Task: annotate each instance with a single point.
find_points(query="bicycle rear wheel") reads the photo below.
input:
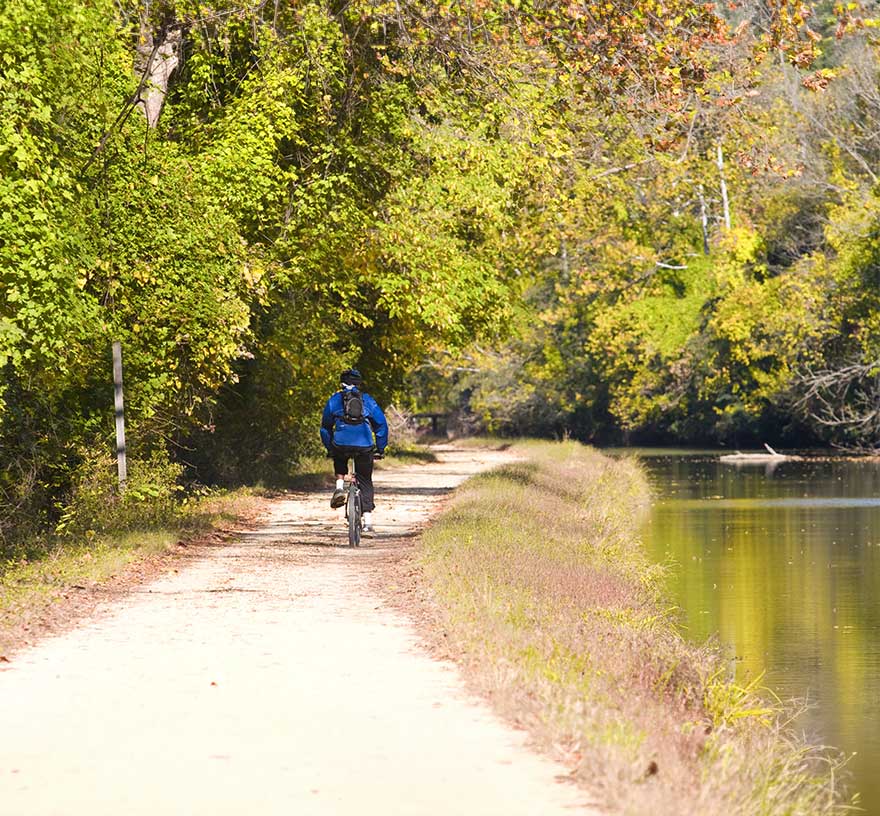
(353, 511)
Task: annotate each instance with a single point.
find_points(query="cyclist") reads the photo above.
(351, 420)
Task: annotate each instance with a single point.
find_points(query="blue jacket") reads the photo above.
(336, 431)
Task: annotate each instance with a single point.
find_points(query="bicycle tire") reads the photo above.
(353, 512)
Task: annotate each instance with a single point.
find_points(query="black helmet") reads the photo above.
(351, 376)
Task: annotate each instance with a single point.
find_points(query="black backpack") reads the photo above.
(352, 407)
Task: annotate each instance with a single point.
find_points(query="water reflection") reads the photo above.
(784, 565)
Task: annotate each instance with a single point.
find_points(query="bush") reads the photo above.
(96, 504)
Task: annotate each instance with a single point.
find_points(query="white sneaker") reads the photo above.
(368, 524)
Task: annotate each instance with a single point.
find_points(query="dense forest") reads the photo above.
(650, 220)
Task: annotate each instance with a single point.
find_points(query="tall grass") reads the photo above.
(542, 582)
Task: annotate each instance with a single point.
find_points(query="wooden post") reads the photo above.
(120, 415)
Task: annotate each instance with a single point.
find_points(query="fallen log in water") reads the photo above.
(758, 458)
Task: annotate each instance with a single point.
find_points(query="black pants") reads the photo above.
(363, 471)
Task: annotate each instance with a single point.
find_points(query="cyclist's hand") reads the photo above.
(378, 455)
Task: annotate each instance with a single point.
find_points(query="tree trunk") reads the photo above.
(724, 200)
(704, 222)
(156, 64)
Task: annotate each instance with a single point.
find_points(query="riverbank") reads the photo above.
(543, 591)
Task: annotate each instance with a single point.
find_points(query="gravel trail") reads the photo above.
(267, 677)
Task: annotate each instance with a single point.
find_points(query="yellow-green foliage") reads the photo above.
(310, 199)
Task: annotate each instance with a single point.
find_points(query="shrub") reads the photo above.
(96, 505)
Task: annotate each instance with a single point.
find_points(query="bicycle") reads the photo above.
(354, 506)
(354, 513)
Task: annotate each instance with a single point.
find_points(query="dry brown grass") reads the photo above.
(540, 575)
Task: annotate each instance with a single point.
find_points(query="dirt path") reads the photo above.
(267, 677)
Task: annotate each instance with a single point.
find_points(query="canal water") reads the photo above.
(783, 565)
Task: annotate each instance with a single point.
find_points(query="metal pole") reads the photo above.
(120, 415)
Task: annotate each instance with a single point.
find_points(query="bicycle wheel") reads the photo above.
(353, 511)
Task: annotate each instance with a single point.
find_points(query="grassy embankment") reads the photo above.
(542, 582)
